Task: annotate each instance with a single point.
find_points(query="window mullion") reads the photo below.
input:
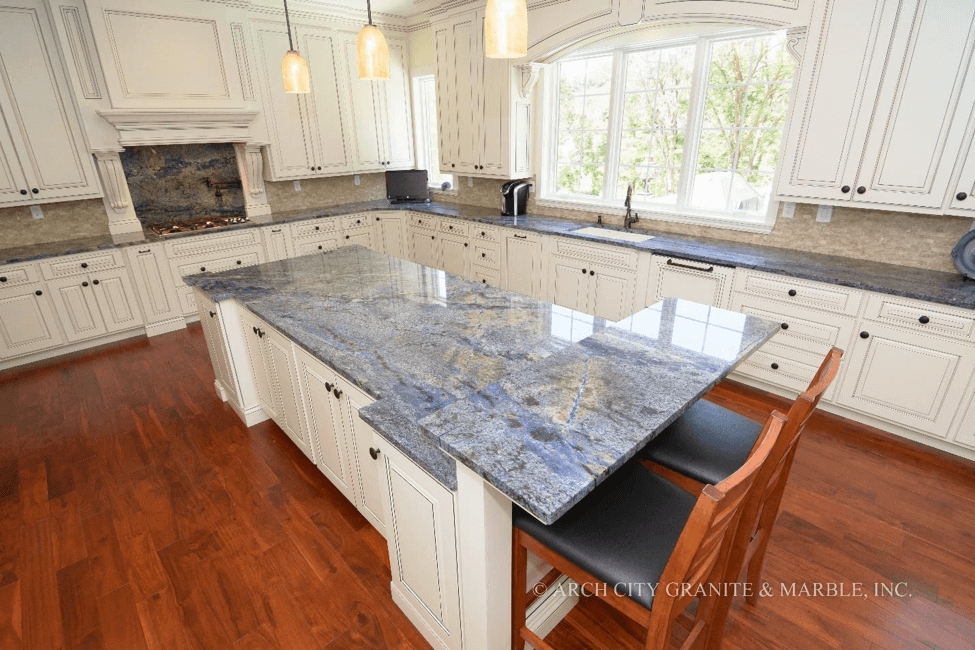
(695, 122)
(615, 125)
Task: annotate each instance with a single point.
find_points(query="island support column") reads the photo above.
(484, 538)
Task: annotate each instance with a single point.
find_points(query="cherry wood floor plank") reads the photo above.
(11, 522)
(41, 610)
(121, 627)
(9, 478)
(104, 552)
(11, 623)
(33, 491)
(161, 619)
(79, 608)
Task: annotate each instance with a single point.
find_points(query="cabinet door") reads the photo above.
(908, 378)
(325, 429)
(27, 322)
(12, 179)
(357, 237)
(116, 300)
(423, 248)
(77, 308)
(611, 293)
(314, 246)
(421, 534)
(676, 278)
(924, 107)
(446, 116)
(963, 197)
(465, 94)
(43, 125)
(360, 435)
(330, 135)
(278, 244)
(391, 231)
(285, 391)
(838, 81)
(397, 116)
(365, 114)
(570, 283)
(289, 127)
(523, 264)
(251, 328)
(154, 281)
(453, 255)
(493, 108)
(213, 332)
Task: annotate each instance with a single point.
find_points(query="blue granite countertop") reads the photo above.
(932, 286)
(542, 401)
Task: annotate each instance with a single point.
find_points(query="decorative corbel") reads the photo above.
(796, 42)
(529, 77)
(250, 164)
(118, 201)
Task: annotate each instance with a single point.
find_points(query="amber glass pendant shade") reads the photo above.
(506, 29)
(294, 69)
(372, 53)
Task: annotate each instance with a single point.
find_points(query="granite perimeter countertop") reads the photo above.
(542, 401)
(932, 286)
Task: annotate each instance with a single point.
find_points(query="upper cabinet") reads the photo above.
(43, 156)
(882, 105)
(484, 121)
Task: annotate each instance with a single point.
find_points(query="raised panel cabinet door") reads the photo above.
(77, 308)
(278, 243)
(365, 113)
(154, 281)
(495, 87)
(330, 134)
(570, 284)
(117, 300)
(454, 257)
(465, 93)
(446, 117)
(694, 281)
(316, 246)
(391, 231)
(12, 179)
(397, 114)
(835, 90)
(611, 293)
(287, 394)
(523, 264)
(423, 248)
(924, 106)
(286, 115)
(37, 107)
(902, 376)
(421, 530)
(360, 435)
(358, 237)
(27, 322)
(251, 327)
(963, 194)
(325, 430)
(213, 333)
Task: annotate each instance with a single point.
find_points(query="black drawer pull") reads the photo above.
(317, 228)
(3, 279)
(255, 329)
(374, 453)
(203, 268)
(39, 292)
(961, 196)
(328, 387)
(924, 320)
(148, 250)
(319, 248)
(84, 284)
(785, 326)
(347, 236)
(337, 393)
(775, 366)
(792, 292)
(861, 189)
(239, 262)
(483, 281)
(592, 273)
(23, 191)
(483, 254)
(845, 189)
(522, 236)
(864, 335)
(465, 244)
(432, 237)
(583, 271)
(94, 281)
(84, 265)
(213, 314)
(710, 269)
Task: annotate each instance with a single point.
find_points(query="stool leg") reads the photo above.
(519, 576)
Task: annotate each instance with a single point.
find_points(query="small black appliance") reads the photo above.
(514, 197)
(407, 186)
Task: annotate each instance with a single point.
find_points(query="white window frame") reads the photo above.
(420, 127)
(605, 204)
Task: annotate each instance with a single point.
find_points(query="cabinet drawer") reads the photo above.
(314, 245)
(217, 265)
(921, 316)
(355, 221)
(14, 276)
(799, 292)
(205, 244)
(487, 255)
(785, 367)
(485, 233)
(490, 277)
(64, 267)
(424, 221)
(453, 227)
(615, 256)
(314, 228)
(804, 329)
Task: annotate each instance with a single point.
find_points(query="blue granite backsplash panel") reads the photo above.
(168, 182)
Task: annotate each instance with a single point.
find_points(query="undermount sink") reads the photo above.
(614, 234)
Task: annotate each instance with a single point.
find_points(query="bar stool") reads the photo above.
(642, 544)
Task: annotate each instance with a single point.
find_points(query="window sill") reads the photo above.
(437, 190)
(762, 225)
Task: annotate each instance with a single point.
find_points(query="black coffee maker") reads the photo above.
(514, 197)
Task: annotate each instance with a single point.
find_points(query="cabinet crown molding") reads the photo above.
(166, 126)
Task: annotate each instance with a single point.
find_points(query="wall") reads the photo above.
(918, 241)
(64, 220)
(321, 192)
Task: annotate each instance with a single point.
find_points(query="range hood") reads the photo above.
(183, 126)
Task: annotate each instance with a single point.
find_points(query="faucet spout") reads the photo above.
(630, 218)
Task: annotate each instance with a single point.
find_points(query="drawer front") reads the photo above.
(314, 228)
(219, 264)
(490, 277)
(14, 276)
(785, 367)
(424, 221)
(921, 316)
(487, 255)
(314, 246)
(804, 328)
(64, 267)
(614, 256)
(205, 244)
(355, 221)
(799, 292)
(485, 233)
(453, 227)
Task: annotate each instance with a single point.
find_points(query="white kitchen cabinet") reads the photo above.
(361, 450)
(77, 308)
(325, 103)
(963, 194)
(286, 393)
(43, 156)
(391, 234)
(397, 115)
(672, 277)
(595, 289)
(966, 431)
(569, 280)
(277, 243)
(251, 328)
(358, 237)
(424, 247)
(454, 258)
(27, 320)
(156, 288)
(522, 263)
(422, 538)
(213, 333)
(117, 300)
(311, 246)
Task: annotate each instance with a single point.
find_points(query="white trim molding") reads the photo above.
(179, 126)
(118, 201)
(250, 164)
(796, 42)
(530, 73)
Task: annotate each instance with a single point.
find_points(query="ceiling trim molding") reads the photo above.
(179, 126)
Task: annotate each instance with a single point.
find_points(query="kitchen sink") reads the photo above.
(618, 235)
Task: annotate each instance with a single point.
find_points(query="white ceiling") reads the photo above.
(402, 8)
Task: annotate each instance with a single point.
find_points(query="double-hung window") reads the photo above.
(691, 128)
(427, 135)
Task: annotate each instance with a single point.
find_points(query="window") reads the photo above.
(427, 136)
(693, 126)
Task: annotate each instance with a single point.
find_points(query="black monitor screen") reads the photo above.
(410, 184)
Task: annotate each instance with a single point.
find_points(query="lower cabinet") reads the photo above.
(312, 246)
(672, 277)
(391, 234)
(27, 321)
(454, 258)
(77, 307)
(358, 237)
(421, 535)
(250, 327)
(522, 263)
(216, 346)
(154, 281)
(592, 288)
(277, 243)
(966, 432)
(117, 300)
(424, 247)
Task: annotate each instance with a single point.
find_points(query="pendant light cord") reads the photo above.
(369, 10)
(291, 43)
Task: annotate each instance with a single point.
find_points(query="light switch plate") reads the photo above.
(355, 177)
(789, 210)
(297, 186)
(35, 211)
(824, 214)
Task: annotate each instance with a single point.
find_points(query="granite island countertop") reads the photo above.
(542, 401)
(920, 284)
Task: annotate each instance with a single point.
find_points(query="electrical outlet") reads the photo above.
(356, 178)
(297, 186)
(824, 214)
(35, 211)
(470, 181)
(789, 210)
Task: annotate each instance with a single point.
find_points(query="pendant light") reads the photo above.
(294, 69)
(506, 29)
(371, 51)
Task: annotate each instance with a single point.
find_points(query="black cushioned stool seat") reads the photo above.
(707, 443)
(622, 533)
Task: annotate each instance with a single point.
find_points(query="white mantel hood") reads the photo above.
(179, 126)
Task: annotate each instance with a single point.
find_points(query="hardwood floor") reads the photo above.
(136, 512)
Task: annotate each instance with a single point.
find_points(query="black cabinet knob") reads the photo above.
(23, 191)
(3, 279)
(358, 221)
(374, 453)
(94, 281)
(347, 236)
(203, 268)
(785, 326)
(961, 196)
(419, 220)
(239, 262)
(316, 227)
(845, 189)
(84, 284)
(213, 314)
(483, 234)
(84, 265)
(861, 189)
(312, 168)
(465, 245)
(34, 190)
(792, 292)
(583, 271)
(592, 273)
(39, 293)
(255, 331)
(378, 219)
(319, 247)
(319, 168)
(483, 281)
(328, 387)
(483, 254)
(450, 227)
(924, 320)
(432, 237)
(864, 335)
(775, 366)
(260, 333)
(452, 165)
(337, 393)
